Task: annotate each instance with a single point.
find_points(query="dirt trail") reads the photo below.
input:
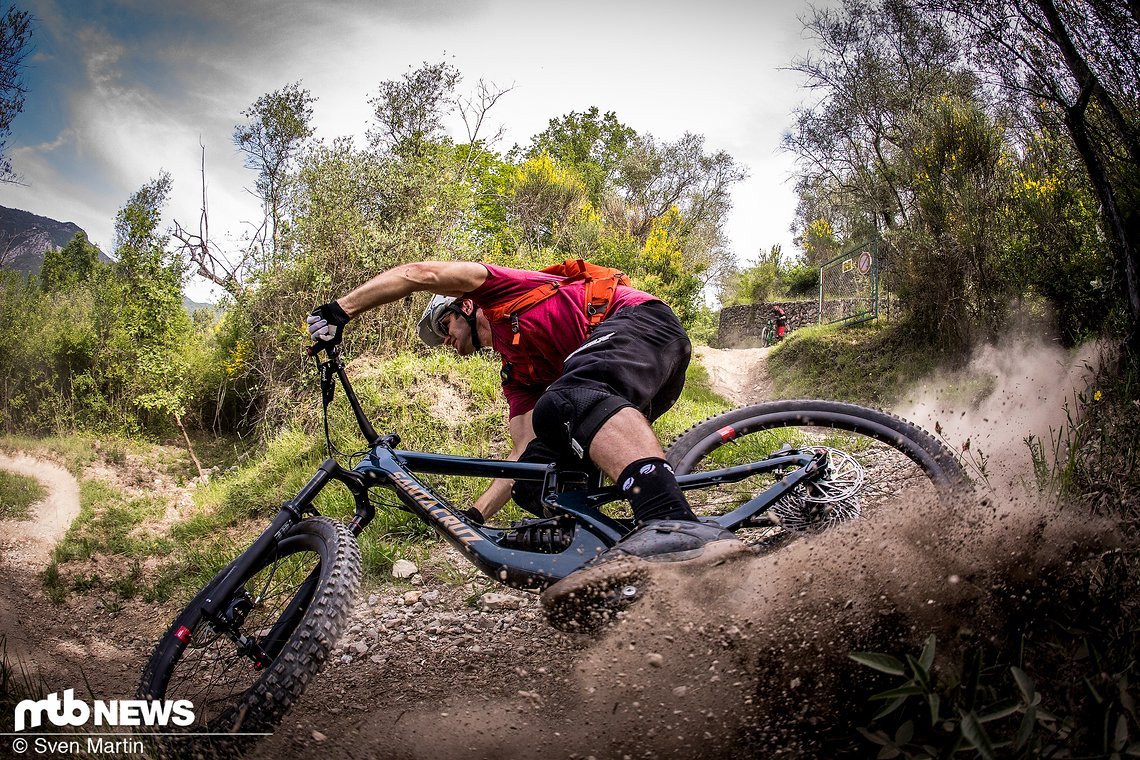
(30, 541)
(738, 374)
(70, 644)
(25, 548)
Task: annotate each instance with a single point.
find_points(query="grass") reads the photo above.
(874, 364)
(109, 522)
(74, 452)
(17, 683)
(110, 526)
(17, 495)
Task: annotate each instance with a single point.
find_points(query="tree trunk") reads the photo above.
(1118, 231)
(189, 446)
(1084, 75)
(1076, 121)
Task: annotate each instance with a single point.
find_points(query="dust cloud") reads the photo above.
(1030, 386)
(750, 658)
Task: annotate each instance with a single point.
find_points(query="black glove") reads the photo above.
(326, 323)
(473, 515)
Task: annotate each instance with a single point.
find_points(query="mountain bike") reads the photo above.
(770, 335)
(249, 643)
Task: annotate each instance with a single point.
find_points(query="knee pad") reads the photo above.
(566, 419)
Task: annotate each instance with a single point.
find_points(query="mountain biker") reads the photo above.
(573, 394)
(780, 318)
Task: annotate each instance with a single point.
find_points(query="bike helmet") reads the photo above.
(430, 330)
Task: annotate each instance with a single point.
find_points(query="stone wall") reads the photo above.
(740, 326)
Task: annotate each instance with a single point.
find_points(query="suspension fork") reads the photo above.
(290, 514)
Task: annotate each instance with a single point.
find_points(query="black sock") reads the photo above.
(652, 490)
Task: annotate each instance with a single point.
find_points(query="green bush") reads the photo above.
(800, 280)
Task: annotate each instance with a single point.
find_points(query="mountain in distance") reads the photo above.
(25, 238)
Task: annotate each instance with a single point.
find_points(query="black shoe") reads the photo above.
(589, 597)
(666, 541)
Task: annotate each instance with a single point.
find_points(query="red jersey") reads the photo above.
(550, 331)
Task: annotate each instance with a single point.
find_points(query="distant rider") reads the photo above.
(780, 319)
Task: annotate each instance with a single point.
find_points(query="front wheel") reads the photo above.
(243, 670)
(873, 458)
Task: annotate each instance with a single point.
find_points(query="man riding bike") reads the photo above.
(780, 318)
(582, 381)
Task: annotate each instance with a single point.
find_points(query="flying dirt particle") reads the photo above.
(655, 659)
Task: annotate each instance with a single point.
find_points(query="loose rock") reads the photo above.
(493, 602)
(403, 568)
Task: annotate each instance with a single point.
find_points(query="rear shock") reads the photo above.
(548, 536)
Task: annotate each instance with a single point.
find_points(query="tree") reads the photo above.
(72, 264)
(591, 143)
(1081, 61)
(409, 111)
(15, 41)
(210, 262)
(545, 198)
(656, 178)
(152, 326)
(1057, 237)
(772, 277)
(277, 129)
(876, 66)
(900, 145)
(958, 187)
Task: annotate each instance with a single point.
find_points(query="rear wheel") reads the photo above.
(243, 672)
(873, 457)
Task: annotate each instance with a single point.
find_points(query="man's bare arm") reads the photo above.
(448, 278)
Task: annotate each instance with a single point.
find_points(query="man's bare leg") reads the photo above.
(624, 438)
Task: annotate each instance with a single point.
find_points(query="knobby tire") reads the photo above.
(895, 456)
(230, 694)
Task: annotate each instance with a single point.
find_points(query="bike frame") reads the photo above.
(386, 466)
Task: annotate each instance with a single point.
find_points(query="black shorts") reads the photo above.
(637, 358)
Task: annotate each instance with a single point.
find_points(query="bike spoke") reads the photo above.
(863, 473)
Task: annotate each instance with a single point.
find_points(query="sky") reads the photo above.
(120, 90)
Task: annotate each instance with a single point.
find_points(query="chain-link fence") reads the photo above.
(849, 286)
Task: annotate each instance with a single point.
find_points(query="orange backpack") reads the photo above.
(601, 282)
